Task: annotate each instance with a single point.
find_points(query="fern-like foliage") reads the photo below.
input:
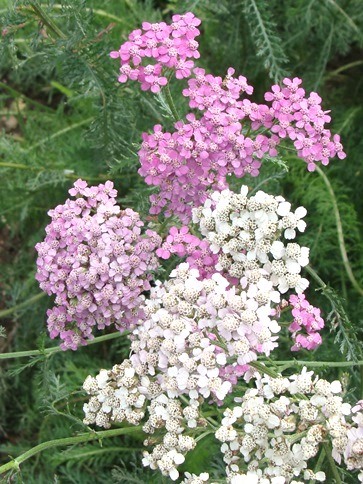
(268, 44)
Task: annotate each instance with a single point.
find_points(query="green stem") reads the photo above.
(18, 94)
(296, 437)
(56, 349)
(171, 104)
(319, 464)
(332, 463)
(340, 232)
(204, 434)
(70, 176)
(20, 166)
(344, 68)
(59, 133)
(6, 312)
(15, 463)
(96, 11)
(263, 369)
(47, 20)
(82, 455)
(315, 276)
(317, 364)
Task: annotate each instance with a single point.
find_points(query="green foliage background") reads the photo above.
(64, 116)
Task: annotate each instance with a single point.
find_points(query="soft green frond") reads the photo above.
(268, 44)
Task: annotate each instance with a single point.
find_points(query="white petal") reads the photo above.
(289, 234)
(283, 208)
(174, 474)
(277, 249)
(179, 459)
(293, 267)
(302, 285)
(244, 190)
(301, 226)
(300, 212)
(336, 386)
(320, 476)
(221, 359)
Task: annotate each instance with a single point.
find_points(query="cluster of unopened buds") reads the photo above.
(197, 336)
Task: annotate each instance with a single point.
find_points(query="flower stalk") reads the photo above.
(88, 437)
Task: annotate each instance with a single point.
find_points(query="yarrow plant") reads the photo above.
(204, 334)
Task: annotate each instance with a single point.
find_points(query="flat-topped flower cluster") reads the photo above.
(97, 263)
(167, 46)
(226, 132)
(274, 429)
(248, 233)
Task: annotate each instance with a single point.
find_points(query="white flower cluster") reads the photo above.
(115, 396)
(195, 328)
(194, 479)
(246, 234)
(278, 426)
(168, 414)
(353, 452)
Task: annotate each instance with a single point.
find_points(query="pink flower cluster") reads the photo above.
(197, 252)
(302, 119)
(198, 156)
(97, 263)
(171, 46)
(307, 319)
(203, 151)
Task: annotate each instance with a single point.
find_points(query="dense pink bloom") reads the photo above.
(202, 152)
(302, 119)
(197, 252)
(226, 139)
(96, 261)
(306, 324)
(167, 46)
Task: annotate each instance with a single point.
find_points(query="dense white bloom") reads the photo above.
(247, 234)
(168, 415)
(115, 396)
(193, 326)
(194, 479)
(256, 431)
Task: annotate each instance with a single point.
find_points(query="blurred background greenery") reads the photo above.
(64, 116)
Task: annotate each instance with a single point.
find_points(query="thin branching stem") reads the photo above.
(61, 132)
(332, 463)
(264, 369)
(318, 364)
(340, 232)
(88, 437)
(18, 94)
(169, 100)
(47, 20)
(56, 349)
(70, 176)
(341, 69)
(4, 313)
(95, 11)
